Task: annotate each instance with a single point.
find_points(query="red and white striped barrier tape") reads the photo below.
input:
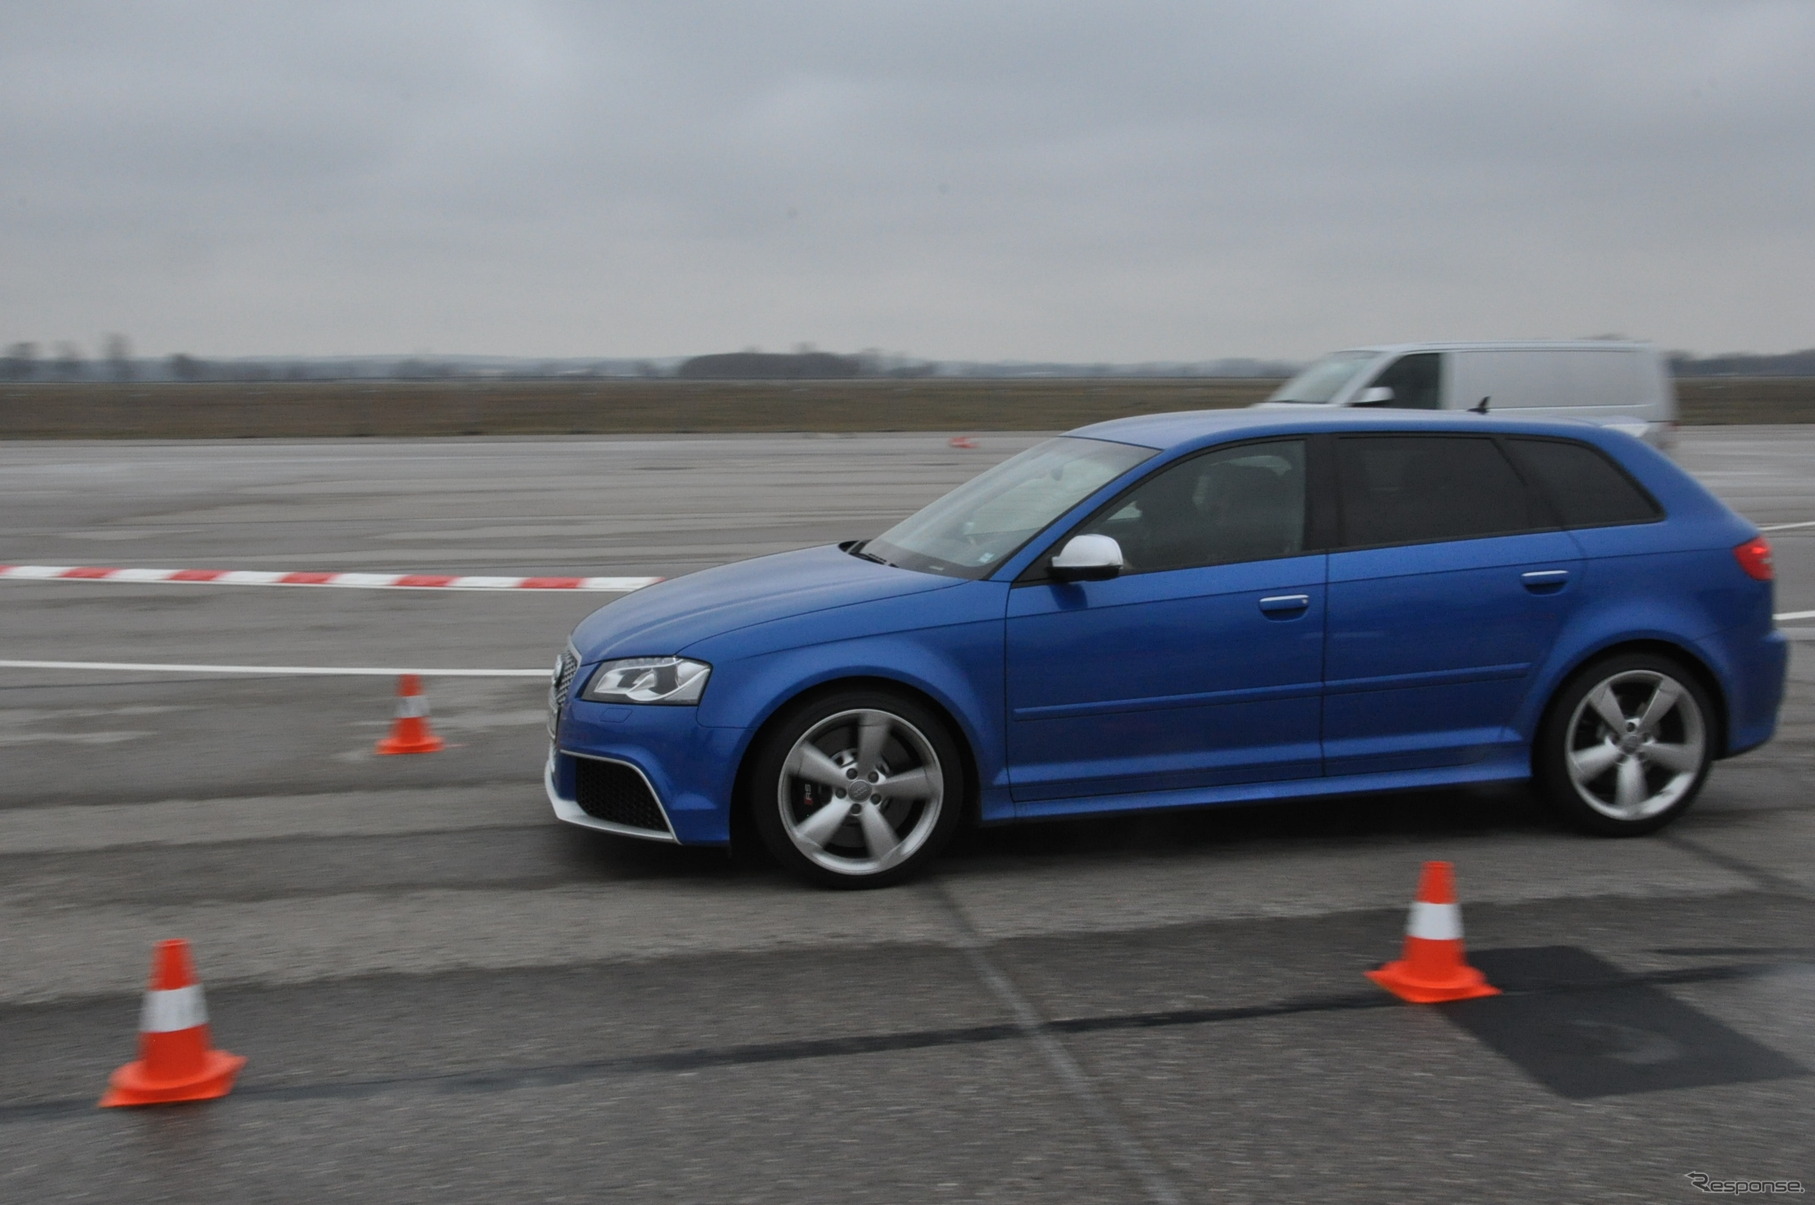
(363, 581)
(368, 581)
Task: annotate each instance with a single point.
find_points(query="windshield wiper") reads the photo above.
(856, 549)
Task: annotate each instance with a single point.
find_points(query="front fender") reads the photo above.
(958, 667)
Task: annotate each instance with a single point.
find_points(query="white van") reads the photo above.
(1617, 384)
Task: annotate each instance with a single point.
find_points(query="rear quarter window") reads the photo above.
(1584, 485)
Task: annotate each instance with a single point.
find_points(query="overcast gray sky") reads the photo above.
(971, 179)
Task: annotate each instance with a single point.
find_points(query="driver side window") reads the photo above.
(1245, 503)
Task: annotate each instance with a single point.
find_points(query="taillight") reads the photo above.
(1754, 556)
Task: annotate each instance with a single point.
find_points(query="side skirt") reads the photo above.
(1496, 770)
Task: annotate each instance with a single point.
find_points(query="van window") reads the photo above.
(1324, 379)
(1410, 489)
(1415, 381)
(1586, 488)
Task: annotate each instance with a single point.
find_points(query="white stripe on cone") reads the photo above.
(1435, 922)
(412, 706)
(171, 1009)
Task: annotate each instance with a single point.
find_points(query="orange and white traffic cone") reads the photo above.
(1433, 967)
(176, 1061)
(411, 733)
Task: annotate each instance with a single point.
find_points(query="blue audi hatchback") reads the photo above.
(1190, 609)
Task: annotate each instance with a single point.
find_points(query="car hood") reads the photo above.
(665, 618)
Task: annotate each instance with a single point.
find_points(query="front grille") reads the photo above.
(558, 686)
(613, 791)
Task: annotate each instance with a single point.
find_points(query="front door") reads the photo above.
(1199, 666)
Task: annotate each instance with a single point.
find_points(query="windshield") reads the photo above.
(1324, 379)
(986, 520)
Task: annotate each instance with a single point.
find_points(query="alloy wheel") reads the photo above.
(1636, 745)
(860, 792)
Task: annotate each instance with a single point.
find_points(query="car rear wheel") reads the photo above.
(857, 789)
(1627, 745)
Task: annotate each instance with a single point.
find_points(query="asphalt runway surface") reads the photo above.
(446, 996)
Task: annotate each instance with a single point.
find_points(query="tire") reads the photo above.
(1626, 745)
(820, 797)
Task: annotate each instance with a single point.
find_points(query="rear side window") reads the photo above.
(1416, 489)
(1586, 488)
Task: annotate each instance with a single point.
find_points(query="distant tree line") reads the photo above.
(1790, 364)
(65, 361)
(771, 366)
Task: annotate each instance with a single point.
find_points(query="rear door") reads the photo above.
(1449, 584)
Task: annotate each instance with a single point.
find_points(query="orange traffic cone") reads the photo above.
(960, 441)
(175, 1059)
(1433, 967)
(411, 734)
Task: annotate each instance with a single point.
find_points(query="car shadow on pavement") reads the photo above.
(587, 854)
(1448, 812)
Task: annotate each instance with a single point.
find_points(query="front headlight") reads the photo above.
(674, 680)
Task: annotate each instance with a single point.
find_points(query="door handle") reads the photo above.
(1545, 581)
(1285, 604)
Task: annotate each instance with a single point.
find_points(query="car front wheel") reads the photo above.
(857, 789)
(1627, 745)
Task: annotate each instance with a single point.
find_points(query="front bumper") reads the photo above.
(689, 770)
(568, 807)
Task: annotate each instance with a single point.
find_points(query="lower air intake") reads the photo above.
(615, 792)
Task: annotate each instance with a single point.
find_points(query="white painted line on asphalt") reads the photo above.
(342, 671)
(1787, 526)
(1114, 1132)
(350, 671)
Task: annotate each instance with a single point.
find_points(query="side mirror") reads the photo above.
(1087, 559)
(1375, 395)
